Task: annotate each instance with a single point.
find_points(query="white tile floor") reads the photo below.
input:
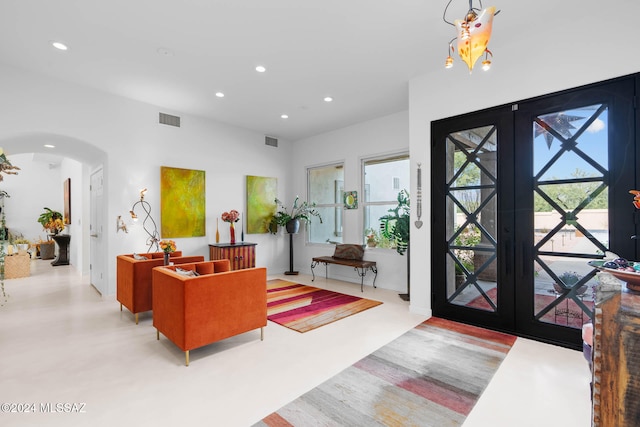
(61, 342)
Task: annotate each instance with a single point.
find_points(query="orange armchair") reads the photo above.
(133, 278)
(196, 311)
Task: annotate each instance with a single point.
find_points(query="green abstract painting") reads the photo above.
(261, 206)
(182, 202)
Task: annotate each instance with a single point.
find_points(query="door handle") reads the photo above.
(93, 235)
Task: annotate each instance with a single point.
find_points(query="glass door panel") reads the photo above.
(471, 201)
(570, 199)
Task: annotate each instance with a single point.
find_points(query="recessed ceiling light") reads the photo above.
(260, 69)
(328, 99)
(164, 51)
(220, 94)
(49, 146)
(285, 116)
(60, 46)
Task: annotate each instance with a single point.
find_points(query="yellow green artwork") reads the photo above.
(261, 194)
(182, 202)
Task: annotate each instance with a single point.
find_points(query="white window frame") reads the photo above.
(389, 157)
(337, 205)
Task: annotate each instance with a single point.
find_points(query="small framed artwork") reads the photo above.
(351, 200)
(67, 201)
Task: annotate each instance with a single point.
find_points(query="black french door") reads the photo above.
(523, 196)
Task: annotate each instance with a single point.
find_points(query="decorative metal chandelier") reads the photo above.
(473, 34)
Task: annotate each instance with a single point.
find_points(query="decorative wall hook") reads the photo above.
(419, 223)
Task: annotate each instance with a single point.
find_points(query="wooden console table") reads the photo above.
(240, 255)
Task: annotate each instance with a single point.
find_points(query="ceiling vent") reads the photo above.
(269, 140)
(168, 119)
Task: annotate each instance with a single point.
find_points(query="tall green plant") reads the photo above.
(395, 225)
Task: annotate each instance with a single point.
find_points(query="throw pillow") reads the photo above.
(349, 251)
(221, 267)
(139, 257)
(204, 268)
(188, 273)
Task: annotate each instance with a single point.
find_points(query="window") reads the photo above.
(383, 179)
(326, 188)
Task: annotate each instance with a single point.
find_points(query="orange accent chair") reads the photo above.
(194, 311)
(133, 278)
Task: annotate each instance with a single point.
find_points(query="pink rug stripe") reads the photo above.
(303, 308)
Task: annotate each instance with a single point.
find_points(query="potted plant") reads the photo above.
(396, 227)
(52, 221)
(46, 249)
(569, 279)
(372, 237)
(22, 244)
(291, 219)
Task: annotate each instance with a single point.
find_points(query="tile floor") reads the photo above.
(61, 342)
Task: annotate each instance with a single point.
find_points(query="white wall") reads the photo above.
(134, 146)
(570, 51)
(350, 145)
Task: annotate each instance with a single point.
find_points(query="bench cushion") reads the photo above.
(349, 251)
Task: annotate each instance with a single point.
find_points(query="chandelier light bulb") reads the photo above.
(465, 34)
(486, 65)
(449, 62)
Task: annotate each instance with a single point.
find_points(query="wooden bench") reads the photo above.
(361, 267)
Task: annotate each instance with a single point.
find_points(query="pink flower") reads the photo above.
(231, 216)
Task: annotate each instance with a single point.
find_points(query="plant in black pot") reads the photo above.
(291, 221)
(302, 212)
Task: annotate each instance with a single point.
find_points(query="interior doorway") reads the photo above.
(97, 240)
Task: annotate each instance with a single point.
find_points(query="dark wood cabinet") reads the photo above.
(616, 361)
(240, 255)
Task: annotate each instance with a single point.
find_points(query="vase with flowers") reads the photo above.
(51, 221)
(231, 217)
(167, 246)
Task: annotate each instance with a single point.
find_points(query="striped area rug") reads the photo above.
(431, 376)
(303, 308)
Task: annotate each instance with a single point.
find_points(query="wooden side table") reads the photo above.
(616, 358)
(240, 255)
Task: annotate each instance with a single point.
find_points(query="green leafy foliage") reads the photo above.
(395, 226)
(302, 212)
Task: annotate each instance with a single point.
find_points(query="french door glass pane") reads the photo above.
(570, 198)
(471, 222)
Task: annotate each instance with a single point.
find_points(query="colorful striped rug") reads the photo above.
(303, 308)
(431, 376)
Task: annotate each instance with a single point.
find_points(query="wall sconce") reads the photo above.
(154, 237)
(120, 225)
(473, 34)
